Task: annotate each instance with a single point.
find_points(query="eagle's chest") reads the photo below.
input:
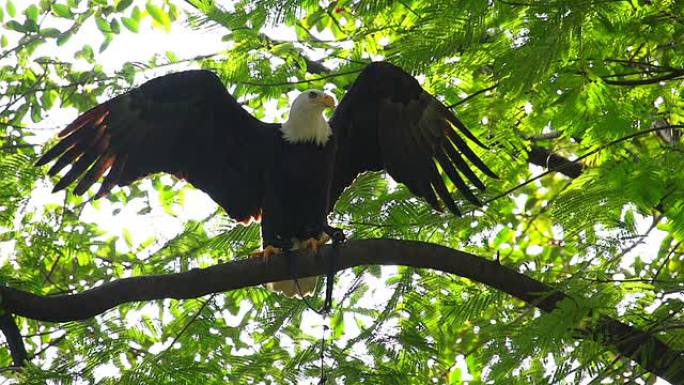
(308, 163)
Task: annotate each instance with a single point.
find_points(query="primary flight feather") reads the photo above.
(288, 175)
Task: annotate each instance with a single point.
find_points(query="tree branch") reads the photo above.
(586, 155)
(548, 159)
(673, 75)
(644, 348)
(17, 349)
(474, 94)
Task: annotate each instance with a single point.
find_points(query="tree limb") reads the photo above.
(17, 349)
(645, 349)
(548, 159)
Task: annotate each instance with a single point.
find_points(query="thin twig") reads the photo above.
(674, 75)
(474, 94)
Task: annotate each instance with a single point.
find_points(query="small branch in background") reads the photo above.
(474, 94)
(584, 156)
(52, 343)
(546, 136)
(548, 159)
(315, 66)
(673, 75)
(639, 64)
(668, 135)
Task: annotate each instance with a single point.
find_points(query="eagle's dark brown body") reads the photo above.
(296, 197)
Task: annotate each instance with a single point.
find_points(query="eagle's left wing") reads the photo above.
(387, 121)
(186, 124)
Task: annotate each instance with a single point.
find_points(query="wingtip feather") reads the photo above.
(97, 113)
(61, 185)
(42, 161)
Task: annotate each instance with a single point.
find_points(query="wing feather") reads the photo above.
(387, 121)
(455, 158)
(103, 163)
(184, 123)
(113, 176)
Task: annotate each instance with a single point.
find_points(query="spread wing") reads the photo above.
(185, 124)
(387, 121)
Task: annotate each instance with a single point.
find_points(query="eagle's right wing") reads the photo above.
(186, 124)
(388, 121)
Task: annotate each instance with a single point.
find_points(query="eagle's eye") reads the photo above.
(312, 94)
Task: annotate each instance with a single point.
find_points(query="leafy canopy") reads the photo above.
(593, 78)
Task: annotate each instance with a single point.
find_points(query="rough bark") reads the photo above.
(645, 349)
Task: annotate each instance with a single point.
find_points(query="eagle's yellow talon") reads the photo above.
(310, 244)
(267, 251)
(272, 250)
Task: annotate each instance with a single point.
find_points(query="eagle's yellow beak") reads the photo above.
(328, 101)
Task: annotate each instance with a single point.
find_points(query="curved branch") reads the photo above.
(642, 347)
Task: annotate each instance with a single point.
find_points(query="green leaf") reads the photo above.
(36, 112)
(131, 24)
(337, 323)
(62, 10)
(108, 40)
(159, 15)
(86, 53)
(45, 5)
(48, 98)
(11, 10)
(114, 26)
(63, 38)
(30, 25)
(16, 26)
(32, 13)
(136, 14)
(102, 24)
(121, 5)
(128, 237)
(171, 56)
(50, 32)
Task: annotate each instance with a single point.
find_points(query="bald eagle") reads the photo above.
(287, 175)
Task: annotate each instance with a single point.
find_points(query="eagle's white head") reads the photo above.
(306, 122)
